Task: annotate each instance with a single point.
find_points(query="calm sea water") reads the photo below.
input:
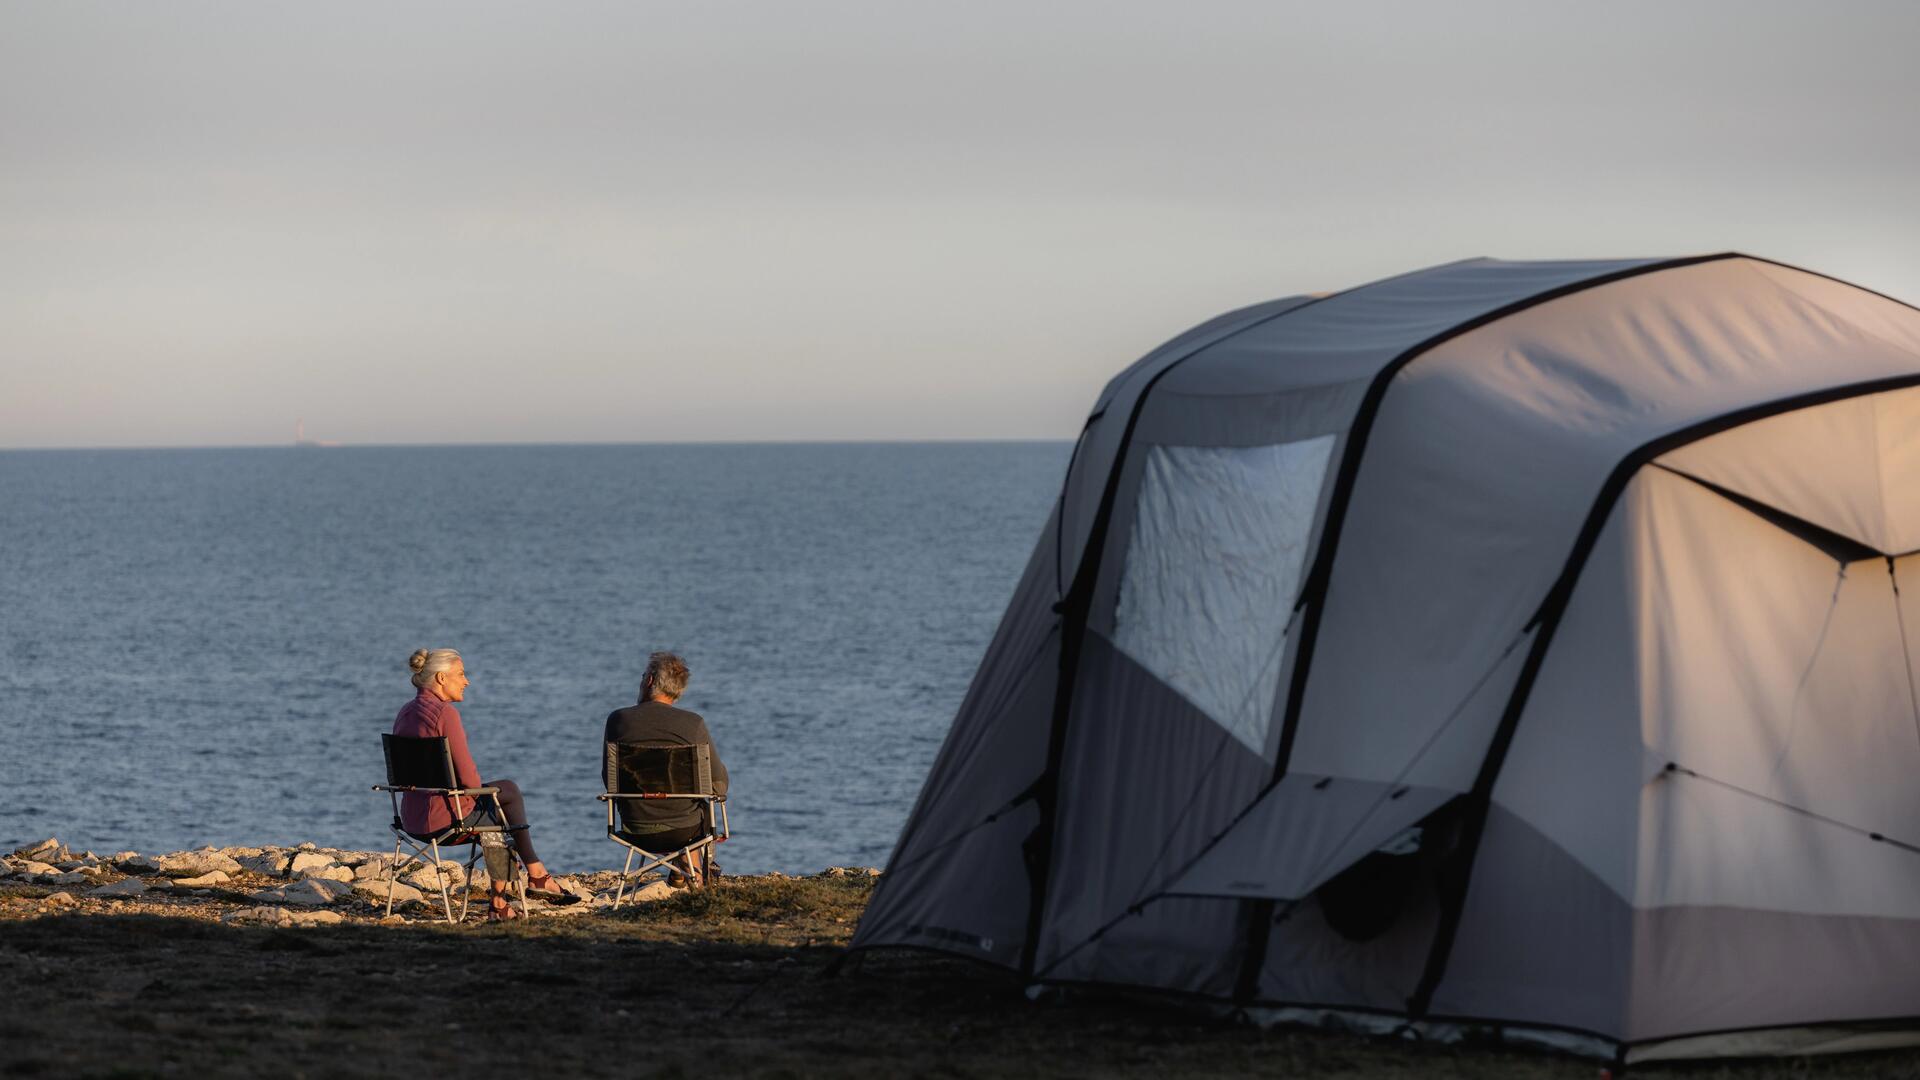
(203, 646)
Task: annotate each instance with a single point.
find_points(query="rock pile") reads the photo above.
(298, 886)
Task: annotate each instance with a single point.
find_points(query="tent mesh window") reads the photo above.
(1212, 568)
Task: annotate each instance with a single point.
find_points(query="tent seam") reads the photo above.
(1554, 607)
(1320, 571)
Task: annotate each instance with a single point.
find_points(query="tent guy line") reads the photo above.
(1674, 768)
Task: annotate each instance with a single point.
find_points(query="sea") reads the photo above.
(203, 646)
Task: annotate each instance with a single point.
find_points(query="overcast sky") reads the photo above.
(476, 222)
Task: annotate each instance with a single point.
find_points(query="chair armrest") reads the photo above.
(450, 791)
(607, 796)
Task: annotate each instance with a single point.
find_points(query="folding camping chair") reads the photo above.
(425, 765)
(662, 771)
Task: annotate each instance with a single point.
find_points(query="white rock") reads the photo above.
(38, 868)
(271, 863)
(330, 873)
(377, 889)
(647, 894)
(263, 916)
(316, 918)
(313, 892)
(73, 878)
(59, 899)
(427, 879)
(135, 863)
(195, 863)
(309, 846)
(373, 868)
(355, 858)
(45, 851)
(204, 881)
(307, 860)
(132, 886)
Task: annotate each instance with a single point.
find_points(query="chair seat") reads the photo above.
(650, 841)
(465, 834)
(425, 766)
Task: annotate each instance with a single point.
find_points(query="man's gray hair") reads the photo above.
(666, 675)
(426, 663)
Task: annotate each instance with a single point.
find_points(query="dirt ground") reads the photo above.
(729, 982)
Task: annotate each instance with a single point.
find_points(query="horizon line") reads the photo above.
(332, 446)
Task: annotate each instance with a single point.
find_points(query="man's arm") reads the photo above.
(607, 735)
(719, 768)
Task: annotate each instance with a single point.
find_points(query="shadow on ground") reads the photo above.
(729, 984)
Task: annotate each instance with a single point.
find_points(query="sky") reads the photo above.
(481, 222)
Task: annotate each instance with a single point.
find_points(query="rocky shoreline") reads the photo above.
(301, 886)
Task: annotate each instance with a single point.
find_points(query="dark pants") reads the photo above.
(673, 840)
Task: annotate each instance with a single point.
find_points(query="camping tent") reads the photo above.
(1524, 647)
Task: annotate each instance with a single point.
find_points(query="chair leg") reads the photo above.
(466, 887)
(439, 875)
(393, 871)
(624, 871)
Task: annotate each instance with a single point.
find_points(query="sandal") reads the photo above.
(545, 888)
(499, 909)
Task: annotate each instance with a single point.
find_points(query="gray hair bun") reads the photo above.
(418, 661)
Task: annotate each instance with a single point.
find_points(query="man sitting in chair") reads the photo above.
(665, 824)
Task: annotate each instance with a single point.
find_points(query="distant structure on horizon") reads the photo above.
(300, 435)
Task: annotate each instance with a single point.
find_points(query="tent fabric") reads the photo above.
(1302, 832)
(1098, 448)
(962, 844)
(1212, 569)
(1785, 462)
(1578, 682)
(1129, 817)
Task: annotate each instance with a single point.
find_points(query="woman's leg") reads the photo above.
(515, 807)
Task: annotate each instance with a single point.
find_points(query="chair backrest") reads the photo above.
(648, 768)
(418, 762)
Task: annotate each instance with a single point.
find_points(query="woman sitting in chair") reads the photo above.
(441, 677)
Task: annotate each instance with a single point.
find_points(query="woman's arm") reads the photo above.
(464, 769)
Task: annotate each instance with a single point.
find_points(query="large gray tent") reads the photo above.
(1517, 646)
